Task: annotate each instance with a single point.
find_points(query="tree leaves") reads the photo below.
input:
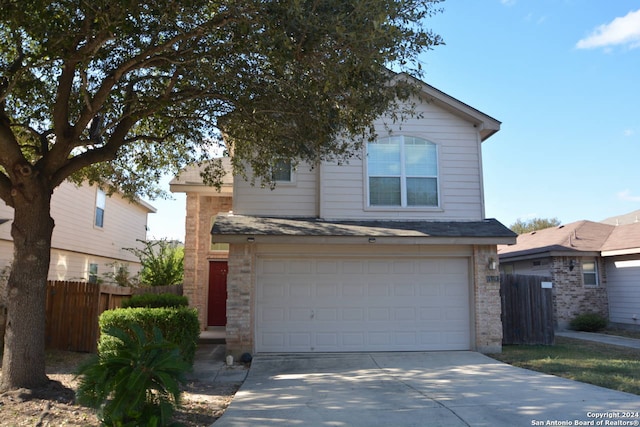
(108, 91)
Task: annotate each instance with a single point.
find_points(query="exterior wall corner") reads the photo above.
(488, 307)
(240, 299)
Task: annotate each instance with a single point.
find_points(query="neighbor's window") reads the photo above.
(93, 273)
(282, 171)
(402, 171)
(590, 273)
(101, 201)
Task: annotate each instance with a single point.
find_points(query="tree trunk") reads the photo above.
(23, 362)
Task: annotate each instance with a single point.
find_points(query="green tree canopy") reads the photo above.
(120, 92)
(522, 227)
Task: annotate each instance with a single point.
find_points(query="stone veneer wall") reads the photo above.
(488, 308)
(571, 297)
(197, 248)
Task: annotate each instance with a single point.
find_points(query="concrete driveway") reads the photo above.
(415, 389)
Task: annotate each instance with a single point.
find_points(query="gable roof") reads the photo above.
(189, 179)
(586, 237)
(485, 124)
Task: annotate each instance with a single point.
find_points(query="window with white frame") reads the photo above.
(93, 273)
(402, 171)
(590, 273)
(282, 171)
(101, 202)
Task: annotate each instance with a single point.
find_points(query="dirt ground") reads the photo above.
(54, 405)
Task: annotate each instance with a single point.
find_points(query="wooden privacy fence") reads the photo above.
(527, 309)
(73, 309)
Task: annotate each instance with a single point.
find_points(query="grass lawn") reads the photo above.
(613, 367)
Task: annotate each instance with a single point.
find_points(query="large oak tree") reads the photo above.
(119, 92)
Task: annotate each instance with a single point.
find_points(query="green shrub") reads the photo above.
(588, 322)
(156, 301)
(178, 325)
(162, 262)
(137, 385)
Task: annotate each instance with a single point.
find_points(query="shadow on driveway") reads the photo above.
(413, 389)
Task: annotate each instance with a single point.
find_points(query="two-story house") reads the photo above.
(90, 234)
(391, 251)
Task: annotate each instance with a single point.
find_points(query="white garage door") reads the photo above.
(623, 275)
(316, 305)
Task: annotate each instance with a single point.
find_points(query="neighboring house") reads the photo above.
(391, 251)
(205, 261)
(91, 230)
(594, 267)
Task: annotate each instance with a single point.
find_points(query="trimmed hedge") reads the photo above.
(588, 322)
(177, 325)
(156, 301)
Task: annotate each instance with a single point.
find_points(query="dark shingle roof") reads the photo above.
(239, 225)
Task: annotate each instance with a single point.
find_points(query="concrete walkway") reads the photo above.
(414, 389)
(210, 365)
(602, 338)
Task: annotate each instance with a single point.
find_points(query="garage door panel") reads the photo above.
(362, 305)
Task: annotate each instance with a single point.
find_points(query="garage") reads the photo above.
(326, 304)
(623, 291)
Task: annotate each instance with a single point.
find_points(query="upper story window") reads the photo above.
(402, 171)
(590, 273)
(282, 171)
(101, 202)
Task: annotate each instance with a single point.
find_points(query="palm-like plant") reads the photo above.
(136, 383)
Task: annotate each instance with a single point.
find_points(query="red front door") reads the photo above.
(217, 312)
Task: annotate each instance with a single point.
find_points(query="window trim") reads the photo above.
(292, 179)
(596, 273)
(403, 178)
(100, 196)
(92, 276)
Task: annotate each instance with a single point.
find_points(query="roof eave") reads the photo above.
(384, 240)
(487, 125)
(521, 256)
(617, 252)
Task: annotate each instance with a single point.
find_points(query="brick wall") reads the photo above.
(240, 316)
(240, 279)
(487, 300)
(570, 296)
(197, 249)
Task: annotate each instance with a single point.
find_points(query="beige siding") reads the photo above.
(342, 193)
(295, 199)
(76, 241)
(344, 187)
(67, 265)
(73, 210)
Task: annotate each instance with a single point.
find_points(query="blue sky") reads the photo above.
(563, 77)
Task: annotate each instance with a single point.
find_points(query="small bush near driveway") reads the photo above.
(604, 365)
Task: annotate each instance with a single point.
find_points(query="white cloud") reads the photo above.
(629, 132)
(508, 2)
(627, 196)
(621, 31)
